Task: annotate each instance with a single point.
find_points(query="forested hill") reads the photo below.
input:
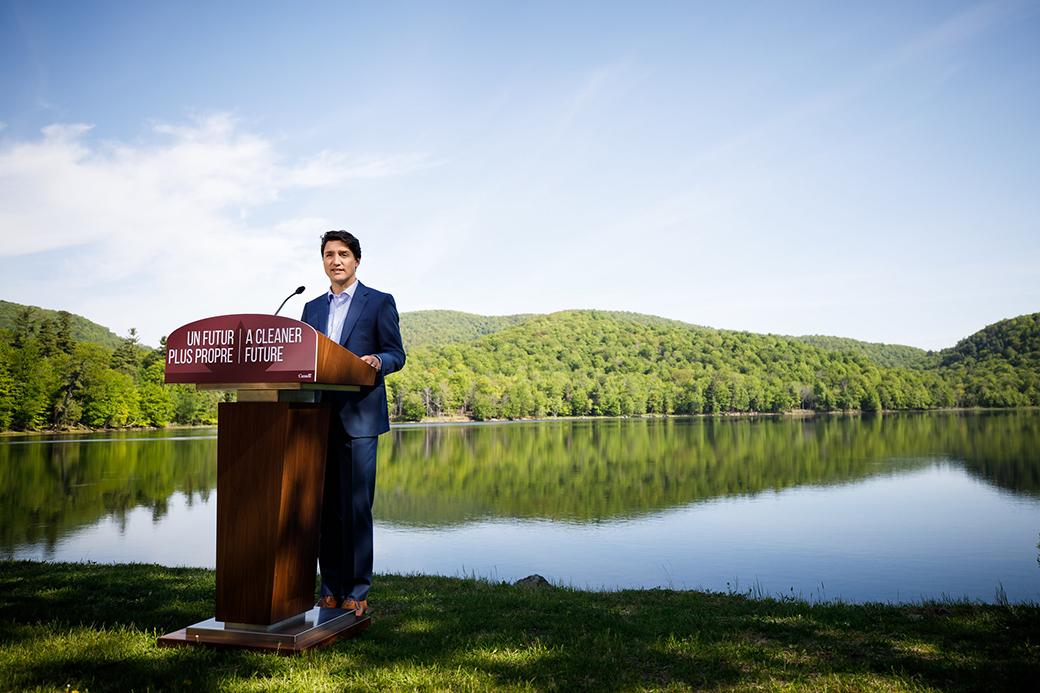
(572, 363)
(438, 327)
(50, 378)
(596, 363)
(83, 330)
(432, 328)
(1016, 340)
(998, 366)
(892, 355)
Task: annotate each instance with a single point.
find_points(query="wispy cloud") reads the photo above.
(171, 215)
(62, 189)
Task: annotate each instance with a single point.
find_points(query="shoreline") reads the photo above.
(86, 430)
(458, 420)
(753, 593)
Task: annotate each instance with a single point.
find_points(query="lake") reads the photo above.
(890, 508)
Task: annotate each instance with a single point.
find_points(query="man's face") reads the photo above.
(340, 265)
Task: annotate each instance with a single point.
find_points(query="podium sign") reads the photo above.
(242, 349)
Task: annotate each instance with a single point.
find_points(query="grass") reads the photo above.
(89, 627)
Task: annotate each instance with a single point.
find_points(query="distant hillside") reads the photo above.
(641, 319)
(586, 362)
(891, 355)
(998, 366)
(432, 328)
(571, 363)
(423, 328)
(83, 330)
(1015, 340)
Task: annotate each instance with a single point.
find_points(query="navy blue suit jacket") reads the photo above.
(371, 327)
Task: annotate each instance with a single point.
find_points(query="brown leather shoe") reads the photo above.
(359, 607)
(328, 602)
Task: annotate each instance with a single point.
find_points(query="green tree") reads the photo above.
(31, 375)
(191, 406)
(156, 406)
(24, 329)
(7, 385)
(126, 357)
(65, 341)
(47, 338)
(412, 407)
(871, 400)
(110, 400)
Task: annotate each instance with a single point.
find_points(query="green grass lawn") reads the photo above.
(87, 627)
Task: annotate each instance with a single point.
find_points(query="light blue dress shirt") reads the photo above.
(338, 307)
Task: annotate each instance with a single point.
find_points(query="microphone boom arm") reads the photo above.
(299, 290)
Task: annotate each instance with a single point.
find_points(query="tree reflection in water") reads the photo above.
(603, 469)
(875, 508)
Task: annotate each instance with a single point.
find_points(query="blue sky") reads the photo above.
(859, 169)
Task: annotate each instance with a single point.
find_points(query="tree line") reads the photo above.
(591, 363)
(50, 380)
(569, 364)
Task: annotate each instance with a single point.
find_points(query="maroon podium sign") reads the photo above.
(242, 349)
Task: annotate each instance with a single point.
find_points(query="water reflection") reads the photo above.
(575, 471)
(50, 486)
(880, 507)
(597, 470)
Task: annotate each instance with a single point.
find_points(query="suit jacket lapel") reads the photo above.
(320, 319)
(357, 304)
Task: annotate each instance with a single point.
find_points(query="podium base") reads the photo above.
(309, 631)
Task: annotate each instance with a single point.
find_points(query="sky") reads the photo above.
(858, 169)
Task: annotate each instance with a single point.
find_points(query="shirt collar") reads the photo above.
(347, 293)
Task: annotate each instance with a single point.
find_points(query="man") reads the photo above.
(365, 322)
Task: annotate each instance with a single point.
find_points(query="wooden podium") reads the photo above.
(270, 472)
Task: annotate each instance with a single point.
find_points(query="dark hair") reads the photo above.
(344, 237)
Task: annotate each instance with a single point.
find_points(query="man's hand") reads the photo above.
(372, 361)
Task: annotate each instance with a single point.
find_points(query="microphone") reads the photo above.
(299, 290)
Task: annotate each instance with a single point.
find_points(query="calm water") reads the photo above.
(891, 508)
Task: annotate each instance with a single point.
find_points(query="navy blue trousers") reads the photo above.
(345, 543)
